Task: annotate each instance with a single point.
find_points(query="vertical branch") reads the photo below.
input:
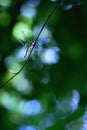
(49, 16)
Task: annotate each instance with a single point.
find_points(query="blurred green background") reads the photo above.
(51, 92)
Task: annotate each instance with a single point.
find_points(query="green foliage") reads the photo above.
(61, 124)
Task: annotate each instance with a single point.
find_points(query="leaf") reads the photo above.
(61, 124)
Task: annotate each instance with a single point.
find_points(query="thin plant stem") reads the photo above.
(35, 42)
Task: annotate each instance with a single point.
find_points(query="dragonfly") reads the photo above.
(30, 45)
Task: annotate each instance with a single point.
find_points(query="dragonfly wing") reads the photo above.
(43, 41)
(23, 42)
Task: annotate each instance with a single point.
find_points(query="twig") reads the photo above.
(35, 42)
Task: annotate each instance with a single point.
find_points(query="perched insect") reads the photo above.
(29, 45)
